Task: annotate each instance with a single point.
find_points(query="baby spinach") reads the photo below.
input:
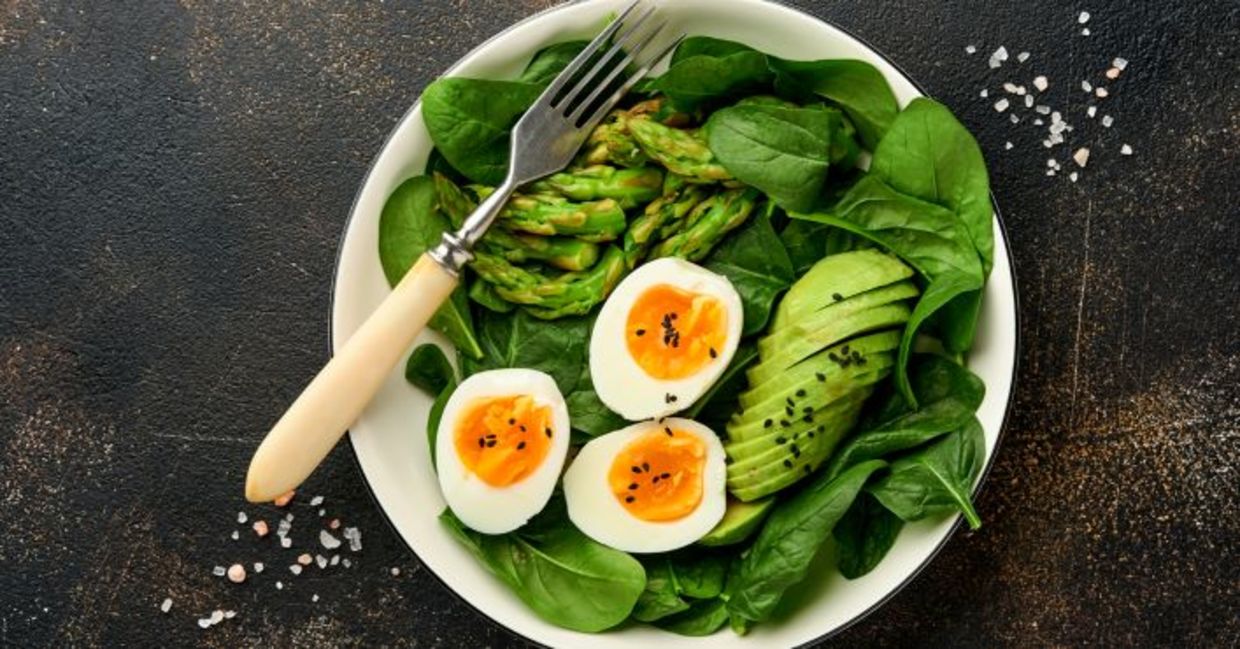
(705, 69)
(703, 617)
(409, 225)
(483, 293)
(673, 578)
(856, 86)
(563, 575)
(550, 61)
(755, 261)
(865, 535)
(792, 535)
(436, 415)
(936, 479)
(783, 151)
(557, 347)
(587, 411)
(948, 395)
(428, 368)
(469, 120)
(661, 597)
(806, 243)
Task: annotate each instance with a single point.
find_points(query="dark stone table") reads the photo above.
(173, 181)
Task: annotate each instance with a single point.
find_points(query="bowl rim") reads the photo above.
(1007, 409)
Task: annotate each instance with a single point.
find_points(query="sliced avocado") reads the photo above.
(822, 363)
(739, 520)
(883, 317)
(836, 278)
(752, 424)
(778, 339)
(772, 449)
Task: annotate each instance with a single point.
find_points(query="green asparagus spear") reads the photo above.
(545, 297)
(561, 252)
(482, 292)
(660, 219)
(682, 152)
(611, 142)
(707, 224)
(629, 187)
(548, 214)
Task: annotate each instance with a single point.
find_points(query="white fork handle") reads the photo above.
(336, 397)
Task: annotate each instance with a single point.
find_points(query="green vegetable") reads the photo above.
(740, 520)
(702, 72)
(865, 535)
(721, 396)
(805, 242)
(856, 86)
(483, 293)
(550, 61)
(628, 187)
(785, 152)
(519, 340)
(611, 142)
(661, 596)
(707, 224)
(683, 152)
(586, 410)
(470, 119)
(948, 395)
(792, 535)
(662, 217)
(936, 479)
(548, 214)
(550, 298)
(564, 576)
(435, 416)
(703, 617)
(755, 261)
(671, 578)
(428, 369)
(409, 225)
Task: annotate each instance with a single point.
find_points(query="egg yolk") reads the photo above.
(658, 476)
(502, 440)
(673, 333)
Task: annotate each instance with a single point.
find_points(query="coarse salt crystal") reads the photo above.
(236, 573)
(166, 605)
(228, 615)
(320, 561)
(1087, 86)
(241, 517)
(279, 585)
(346, 563)
(286, 542)
(1107, 121)
(1056, 117)
(1072, 176)
(285, 499)
(315, 597)
(1001, 105)
(1112, 73)
(1050, 172)
(354, 536)
(1037, 122)
(1040, 83)
(1081, 156)
(217, 616)
(1100, 92)
(1051, 163)
(1014, 119)
(1043, 109)
(1125, 150)
(1010, 87)
(1056, 138)
(1091, 111)
(322, 512)
(1007, 146)
(1000, 55)
(204, 622)
(1119, 63)
(1058, 127)
(316, 501)
(1022, 57)
(984, 93)
(219, 571)
(1028, 101)
(1083, 18)
(970, 49)
(305, 559)
(258, 567)
(235, 535)
(260, 528)
(328, 541)
(294, 568)
(335, 559)
(1047, 143)
(1085, 32)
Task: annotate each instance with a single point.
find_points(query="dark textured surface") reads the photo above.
(173, 180)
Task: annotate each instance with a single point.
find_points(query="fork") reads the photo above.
(543, 141)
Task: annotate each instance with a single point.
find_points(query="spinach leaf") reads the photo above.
(587, 411)
(928, 154)
(865, 535)
(700, 574)
(856, 86)
(806, 243)
(947, 289)
(707, 46)
(428, 369)
(435, 416)
(564, 576)
(483, 293)
(550, 61)
(703, 617)
(710, 74)
(948, 395)
(788, 541)
(936, 479)
(469, 120)
(672, 577)
(409, 225)
(783, 151)
(661, 597)
(755, 261)
(557, 347)
(437, 164)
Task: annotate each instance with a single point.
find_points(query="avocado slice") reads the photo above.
(884, 317)
(836, 278)
(773, 448)
(739, 520)
(822, 367)
(752, 424)
(779, 339)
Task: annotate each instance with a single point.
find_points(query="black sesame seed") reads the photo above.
(784, 423)
(820, 376)
(822, 428)
(674, 316)
(811, 434)
(809, 419)
(788, 463)
(806, 467)
(523, 428)
(713, 353)
(629, 499)
(645, 466)
(800, 393)
(767, 424)
(632, 486)
(520, 446)
(547, 431)
(781, 440)
(795, 449)
(637, 469)
(833, 357)
(491, 444)
(640, 332)
(790, 411)
(511, 421)
(727, 460)
(807, 410)
(790, 401)
(844, 349)
(655, 481)
(668, 431)
(673, 397)
(861, 361)
(665, 475)
(481, 442)
(837, 297)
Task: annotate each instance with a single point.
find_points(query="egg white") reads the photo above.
(621, 384)
(480, 506)
(594, 509)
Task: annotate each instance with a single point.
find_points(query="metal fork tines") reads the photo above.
(549, 134)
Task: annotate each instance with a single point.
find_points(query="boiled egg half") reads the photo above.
(663, 338)
(651, 487)
(500, 446)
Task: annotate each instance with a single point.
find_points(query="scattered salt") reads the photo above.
(228, 615)
(217, 616)
(984, 93)
(322, 512)
(1001, 105)
(1022, 57)
(1083, 18)
(1043, 109)
(1050, 172)
(1107, 121)
(335, 559)
(294, 568)
(236, 573)
(320, 561)
(1072, 176)
(241, 518)
(346, 563)
(1040, 83)
(286, 542)
(1007, 146)
(1028, 101)
(258, 567)
(204, 622)
(315, 597)
(1087, 86)
(354, 536)
(328, 541)
(1085, 32)
(235, 535)
(260, 528)
(1010, 87)
(970, 49)
(1125, 150)
(219, 571)
(166, 606)
(1014, 119)
(316, 501)
(1112, 73)
(1091, 111)
(1037, 121)
(279, 585)
(1119, 63)
(1051, 163)
(305, 559)
(1100, 92)
(1081, 156)
(1000, 55)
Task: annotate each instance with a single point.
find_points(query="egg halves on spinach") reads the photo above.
(500, 447)
(651, 487)
(663, 338)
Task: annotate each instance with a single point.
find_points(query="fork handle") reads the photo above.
(336, 397)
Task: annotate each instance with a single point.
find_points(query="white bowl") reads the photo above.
(390, 440)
